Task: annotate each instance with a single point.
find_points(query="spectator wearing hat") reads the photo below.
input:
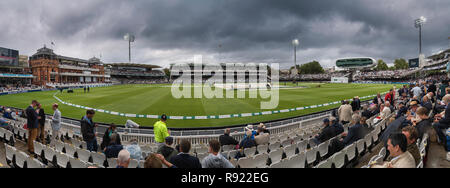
(160, 130)
(226, 139)
(337, 127)
(326, 133)
(167, 150)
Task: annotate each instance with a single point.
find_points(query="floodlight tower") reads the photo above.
(295, 43)
(418, 24)
(130, 38)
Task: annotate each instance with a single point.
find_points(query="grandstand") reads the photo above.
(127, 73)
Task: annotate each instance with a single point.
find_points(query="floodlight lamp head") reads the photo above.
(295, 42)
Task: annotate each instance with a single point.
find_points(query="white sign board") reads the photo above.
(343, 80)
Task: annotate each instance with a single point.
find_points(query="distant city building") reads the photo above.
(48, 67)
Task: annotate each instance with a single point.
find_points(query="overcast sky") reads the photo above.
(170, 31)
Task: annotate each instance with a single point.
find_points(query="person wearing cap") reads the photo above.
(160, 131)
(326, 133)
(337, 127)
(167, 150)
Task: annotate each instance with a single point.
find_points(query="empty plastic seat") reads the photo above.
(250, 152)
(201, 156)
(339, 159)
(98, 158)
(49, 154)
(286, 143)
(112, 162)
(325, 164)
(262, 149)
(360, 146)
(59, 146)
(246, 162)
(350, 151)
(34, 163)
(274, 146)
(276, 155)
(368, 140)
(296, 161)
(133, 163)
(2, 133)
(289, 151)
(311, 155)
(83, 145)
(228, 148)
(76, 143)
(76, 163)
(277, 165)
(232, 154)
(83, 154)
(10, 152)
(201, 150)
(62, 159)
(323, 148)
(302, 145)
(21, 158)
(70, 149)
(261, 160)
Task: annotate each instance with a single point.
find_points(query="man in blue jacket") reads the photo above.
(32, 125)
(88, 130)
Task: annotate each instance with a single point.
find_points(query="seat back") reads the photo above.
(276, 156)
(339, 159)
(98, 158)
(76, 163)
(296, 161)
(83, 155)
(62, 159)
(289, 151)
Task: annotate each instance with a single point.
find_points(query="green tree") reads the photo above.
(310, 68)
(400, 64)
(381, 66)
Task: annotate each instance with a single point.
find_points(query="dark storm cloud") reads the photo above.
(247, 31)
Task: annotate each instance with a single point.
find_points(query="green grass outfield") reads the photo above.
(157, 99)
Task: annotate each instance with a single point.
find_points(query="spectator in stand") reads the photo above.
(183, 159)
(56, 124)
(423, 122)
(402, 110)
(123, 159)
(442, 88)
(355, 132)
(41, 120)
(32, 125)
(390, 96)
(432, 87)
(337, 127)
(262, 138)
(88, 130)
(157, 161)
(134, 149)
(367, 128)
(443, 122)
(385, 110)
(411, 137)
(264, 128)
(403, 91)
(226, 139)
(366, 112)
(167, 150)
(215, 159)
(417, 91)
(356, 104)
(401, 158)
(378, 100)
(345, 112)
(247, 142)
(107, 136)
(426, 103)
(326, 133)
(161, 131)
(112, 151)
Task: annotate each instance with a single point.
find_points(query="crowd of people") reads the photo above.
(388, 74)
